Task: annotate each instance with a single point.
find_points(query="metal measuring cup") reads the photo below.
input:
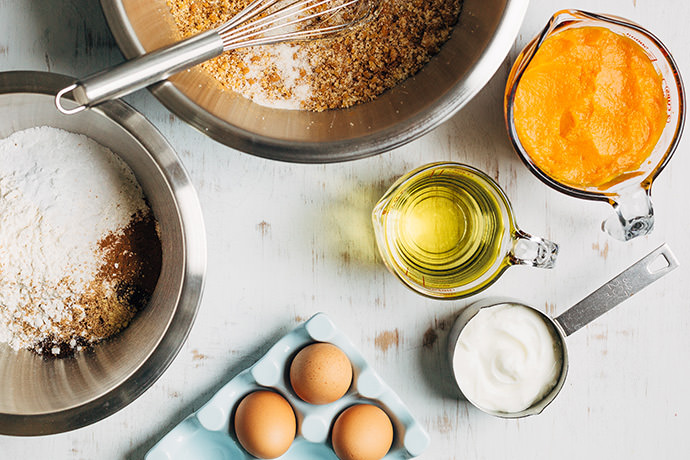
(638, 276)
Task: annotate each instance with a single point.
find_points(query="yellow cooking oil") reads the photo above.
(442, 229)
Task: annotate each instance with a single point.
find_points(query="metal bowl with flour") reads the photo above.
(43, 396)
(480, 42)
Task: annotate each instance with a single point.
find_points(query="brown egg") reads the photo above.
(265, 424)
(362, 432)
(320, 373)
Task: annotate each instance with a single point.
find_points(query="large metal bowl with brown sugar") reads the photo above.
(41, 396)
(480, 42)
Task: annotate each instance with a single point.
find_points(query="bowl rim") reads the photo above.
(191, 289)
(395, 136)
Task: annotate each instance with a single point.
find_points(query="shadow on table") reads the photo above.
(348, 233)
(73, 35)
(138, 452)
(433, 356)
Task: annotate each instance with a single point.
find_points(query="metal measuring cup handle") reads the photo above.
(629, 282)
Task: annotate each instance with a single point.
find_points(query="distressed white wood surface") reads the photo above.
(286, 241)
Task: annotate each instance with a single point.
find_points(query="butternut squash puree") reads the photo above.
(590, 107)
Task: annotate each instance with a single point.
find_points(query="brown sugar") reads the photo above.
(338, 72)
(359, 66)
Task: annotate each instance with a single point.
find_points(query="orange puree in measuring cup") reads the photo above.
(590, 107)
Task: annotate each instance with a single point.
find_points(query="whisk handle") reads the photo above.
(140, 72)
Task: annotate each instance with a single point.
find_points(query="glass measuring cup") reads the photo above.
(630, 193)
(447, 230)
(638, 276)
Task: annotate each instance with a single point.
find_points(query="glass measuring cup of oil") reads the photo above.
(629, 192)
(447, 230)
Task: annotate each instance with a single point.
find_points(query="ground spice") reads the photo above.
(326, 74)
(133, 260)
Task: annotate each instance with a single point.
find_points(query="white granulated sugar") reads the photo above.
(60, 193)
(289, 62)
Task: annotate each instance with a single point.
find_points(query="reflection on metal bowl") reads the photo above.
(480, 42)
(43, 396)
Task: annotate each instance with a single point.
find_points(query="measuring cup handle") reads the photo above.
(532, 250)
(640, 275)
(634, 215)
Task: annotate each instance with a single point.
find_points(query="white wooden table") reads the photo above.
(286, 241)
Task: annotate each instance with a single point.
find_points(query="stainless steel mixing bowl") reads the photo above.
(43, 396)
(479, 44)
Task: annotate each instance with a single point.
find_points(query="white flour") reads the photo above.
(60, 193)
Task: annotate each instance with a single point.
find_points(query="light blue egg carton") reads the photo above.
(208, 434)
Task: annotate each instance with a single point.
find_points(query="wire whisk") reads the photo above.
(262, 22)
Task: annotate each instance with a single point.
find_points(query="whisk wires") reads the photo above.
(264, 22)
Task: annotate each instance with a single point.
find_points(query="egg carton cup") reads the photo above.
(208, 433)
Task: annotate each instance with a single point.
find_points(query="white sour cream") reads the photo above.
(507, 358)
